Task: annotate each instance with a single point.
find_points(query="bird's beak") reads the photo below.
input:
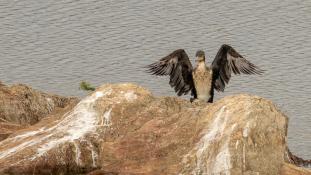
(199, 59)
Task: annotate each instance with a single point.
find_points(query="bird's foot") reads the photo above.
(192, 100)
(195, 100)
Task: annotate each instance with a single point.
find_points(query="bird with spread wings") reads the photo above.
(202, 80)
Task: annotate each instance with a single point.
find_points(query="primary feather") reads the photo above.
(178, 66)
(227, 61)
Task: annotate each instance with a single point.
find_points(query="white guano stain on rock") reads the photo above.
(246, 129)
(237, 144)
(94, 154)
(130, 96)
(19, 147)
(205, 162)
(78, 152)
(21, 136)
(81, 120)
(244, 157)
(50, 104)
(222, 162)
(213, 133)
(106, 121)
(22, 146)
(28, 134)
(94, 157)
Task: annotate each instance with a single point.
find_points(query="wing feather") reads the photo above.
(227, 61)
(178, 66)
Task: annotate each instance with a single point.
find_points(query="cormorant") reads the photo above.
(202, 80)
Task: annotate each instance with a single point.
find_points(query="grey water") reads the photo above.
(53, 45)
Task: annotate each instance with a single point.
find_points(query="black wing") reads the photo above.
(227, 61)
(178, 66)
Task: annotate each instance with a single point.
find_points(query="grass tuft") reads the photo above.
(86, 86)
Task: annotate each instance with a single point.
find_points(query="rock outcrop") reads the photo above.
(20, 104)
(123, 129)
(6, 129)
(290, 169)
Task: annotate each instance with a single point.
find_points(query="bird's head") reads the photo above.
(200, 56)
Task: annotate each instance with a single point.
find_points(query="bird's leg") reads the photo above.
(210, 100)
(195, 100)
(192, 99)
